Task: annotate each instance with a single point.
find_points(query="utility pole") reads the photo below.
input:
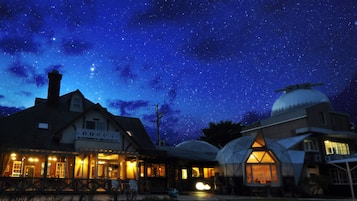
(158, 117)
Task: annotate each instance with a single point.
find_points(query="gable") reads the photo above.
(97, 130)
(50, 127)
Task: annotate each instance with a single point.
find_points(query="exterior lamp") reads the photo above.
(201, 186)
(13, 156)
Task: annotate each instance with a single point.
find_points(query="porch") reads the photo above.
(31, 185)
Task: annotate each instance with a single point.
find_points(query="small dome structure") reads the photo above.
(238, 150)
(197, 150)
(235, 156)
(197, 146)
(298, 96)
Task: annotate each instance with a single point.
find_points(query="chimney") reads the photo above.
(54, 85)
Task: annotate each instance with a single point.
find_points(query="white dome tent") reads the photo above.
(233, 157)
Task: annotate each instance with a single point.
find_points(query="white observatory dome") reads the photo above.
(298, 96)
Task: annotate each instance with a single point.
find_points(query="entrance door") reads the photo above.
(29, 171)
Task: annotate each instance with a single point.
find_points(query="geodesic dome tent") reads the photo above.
(235, 157)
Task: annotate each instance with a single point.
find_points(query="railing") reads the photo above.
(25, 185)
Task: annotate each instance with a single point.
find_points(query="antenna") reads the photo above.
(158, 117)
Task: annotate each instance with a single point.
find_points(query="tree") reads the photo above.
(219, 134)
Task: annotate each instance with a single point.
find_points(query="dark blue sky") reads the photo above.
(202, 61)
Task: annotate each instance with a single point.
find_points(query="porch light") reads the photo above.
(52, 158)
(13, 156)
(33, 159)
(201, 186)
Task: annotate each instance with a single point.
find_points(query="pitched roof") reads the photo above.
(21, 130)
(137, 131)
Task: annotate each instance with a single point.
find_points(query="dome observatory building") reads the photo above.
(303, 141)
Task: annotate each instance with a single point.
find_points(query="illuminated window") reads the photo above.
(60, 167)
(16, 168)
(259, 141)
(261, 168)
(156, 170)
(43, 168)
(184, 173)
(336, 148)
(107, 166)
(131, 169)
(196, 172)
(261, 165)
(208, 172)
(142, 170)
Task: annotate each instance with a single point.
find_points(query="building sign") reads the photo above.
(112, 136)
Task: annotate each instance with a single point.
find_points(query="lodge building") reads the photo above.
(68, 139)
(70, 144)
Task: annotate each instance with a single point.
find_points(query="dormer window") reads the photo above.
(76, 104)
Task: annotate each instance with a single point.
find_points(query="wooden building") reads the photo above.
(68, 143)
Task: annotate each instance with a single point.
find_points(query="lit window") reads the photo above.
(16, 168)
(196, 172)
(184, 173)
(259, 141)
(60, 167)
(336, 148)
(43, 168)
(261, 166)
(156, 170)
(261, 173)
(208, 172)
(260, 157)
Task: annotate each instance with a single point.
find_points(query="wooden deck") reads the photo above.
(26, 185)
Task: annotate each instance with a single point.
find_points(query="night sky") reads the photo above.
(201, 61)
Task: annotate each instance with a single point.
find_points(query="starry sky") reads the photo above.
(200, 61)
